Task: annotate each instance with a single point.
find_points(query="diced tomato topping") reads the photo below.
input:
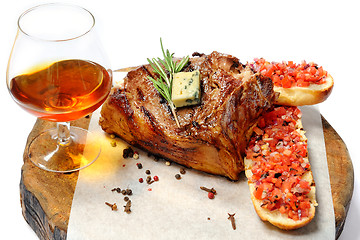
(278, 152)
(288, 74)
(283, 209)
(305, 186)
(304, 205)
(259, 191)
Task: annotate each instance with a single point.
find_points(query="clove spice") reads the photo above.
(212, 190)
(232, 219)
(148, 179)
(127, 207)
(116, 189)
(113, 206)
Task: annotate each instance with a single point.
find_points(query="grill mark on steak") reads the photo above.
(140, 95)
(147, 71)
(151, 119)
(120, 99)
(195, 124)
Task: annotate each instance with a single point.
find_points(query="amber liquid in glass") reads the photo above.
(64, 91)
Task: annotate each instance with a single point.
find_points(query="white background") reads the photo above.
(326, 32)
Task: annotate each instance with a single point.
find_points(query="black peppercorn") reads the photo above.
(128, 152)
(128, 191)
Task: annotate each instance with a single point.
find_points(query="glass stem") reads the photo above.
(63, 133)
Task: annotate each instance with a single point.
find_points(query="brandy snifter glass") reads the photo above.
(58, 72)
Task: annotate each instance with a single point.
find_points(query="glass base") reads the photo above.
(47, 153)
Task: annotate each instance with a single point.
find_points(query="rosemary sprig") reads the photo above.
(164, 82)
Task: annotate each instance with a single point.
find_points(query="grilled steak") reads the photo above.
(213, 135)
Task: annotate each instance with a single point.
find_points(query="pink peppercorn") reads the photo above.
(211, 195)
(156, 178)
(141, 180)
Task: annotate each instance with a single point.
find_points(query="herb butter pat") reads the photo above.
(186, 88)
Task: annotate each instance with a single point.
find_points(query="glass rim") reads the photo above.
(54, 4)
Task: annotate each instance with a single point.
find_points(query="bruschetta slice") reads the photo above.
(297, 84)
(278, 170)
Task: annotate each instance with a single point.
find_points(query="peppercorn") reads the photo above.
(128, 191)
(141, 180)
(211, 195)
(182, 171)
(123, 192)
(128, 152)
(156, 178)
(126, 199)
(148, 172)
(136, 155)
(177, 176)
(139, 165)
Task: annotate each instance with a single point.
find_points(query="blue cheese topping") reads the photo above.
(186, 88)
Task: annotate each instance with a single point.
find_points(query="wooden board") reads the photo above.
(46, 197)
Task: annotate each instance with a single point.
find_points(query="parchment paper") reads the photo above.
(179, 209)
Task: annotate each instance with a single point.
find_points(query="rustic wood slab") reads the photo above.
(46, 197)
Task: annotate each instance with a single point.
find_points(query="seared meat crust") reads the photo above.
(213, 135)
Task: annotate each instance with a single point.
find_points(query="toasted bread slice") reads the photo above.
(296, 84)
(300, 96)
(274, 216)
